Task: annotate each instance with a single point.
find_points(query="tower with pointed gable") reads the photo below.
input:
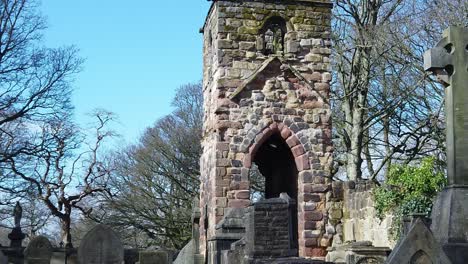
(266, 84)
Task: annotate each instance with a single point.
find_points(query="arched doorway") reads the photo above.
(274, 170)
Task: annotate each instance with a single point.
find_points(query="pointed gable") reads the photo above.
(270, 68)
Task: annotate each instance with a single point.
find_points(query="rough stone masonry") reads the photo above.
(266, 85)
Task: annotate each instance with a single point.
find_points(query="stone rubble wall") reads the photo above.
(354, 217)
(277, 100)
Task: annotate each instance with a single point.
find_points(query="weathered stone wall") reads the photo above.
(360, 222)
(249, 96)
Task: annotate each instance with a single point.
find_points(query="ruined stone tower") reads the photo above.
(266, 104)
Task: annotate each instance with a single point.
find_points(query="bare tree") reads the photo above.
(34, 81)
(386, 109)
(157, 179)
(58, 176)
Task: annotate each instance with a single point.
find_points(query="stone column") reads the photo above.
(449, 61)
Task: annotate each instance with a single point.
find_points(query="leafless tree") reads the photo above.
(58, 176)
(34, 81)
(386, 108)
(158, 178)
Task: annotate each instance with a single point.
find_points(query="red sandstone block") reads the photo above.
(311, 242)
(285, 132)
(255, 146)
(248, 161)
(220, 172)
(306, 188)
(316, 76)
(312, 197)
(316, 252)
(292, 141)
(238, 203)
(267, 132)
(222, 146)
(322, 86)
(306, 176)
(244, 185)
(274, 127)
(313, 215)
(243, 195)
(298, 150)
(310, 206)
(310, 225)
(302, 162)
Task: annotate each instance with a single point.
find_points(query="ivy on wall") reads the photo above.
(408, 190)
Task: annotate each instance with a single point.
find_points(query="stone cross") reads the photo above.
(449, 61)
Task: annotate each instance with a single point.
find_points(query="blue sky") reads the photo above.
(137, 54)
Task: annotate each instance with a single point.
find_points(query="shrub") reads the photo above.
(409, 189)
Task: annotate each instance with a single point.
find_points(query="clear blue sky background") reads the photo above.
(137, 54)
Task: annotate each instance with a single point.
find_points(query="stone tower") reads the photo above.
(266, 84)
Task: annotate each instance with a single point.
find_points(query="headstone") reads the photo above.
(101, 245)
(154, 257)
(38, 251)
(418, 246)
(3, 258)
(449, 61)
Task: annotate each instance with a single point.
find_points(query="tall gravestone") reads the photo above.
(38, 251)
(446, 241)
(101, 245)
(449, 61)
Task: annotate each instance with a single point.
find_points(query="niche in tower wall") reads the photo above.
(273, 33)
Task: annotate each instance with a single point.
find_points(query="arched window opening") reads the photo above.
(274, 172)
(273, 33)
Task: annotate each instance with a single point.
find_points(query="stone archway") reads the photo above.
(280, 157)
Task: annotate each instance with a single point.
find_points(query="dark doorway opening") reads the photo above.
(274, 170)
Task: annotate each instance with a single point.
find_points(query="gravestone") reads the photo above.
(3, 258)
(38, 251)
(101, 245)
(447, 239)
(154, 257)
(449, 61)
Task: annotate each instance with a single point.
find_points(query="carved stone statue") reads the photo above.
(273, 39)
(269, 41)
(18, 214)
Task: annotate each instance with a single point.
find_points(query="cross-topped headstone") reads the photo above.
(449, 61)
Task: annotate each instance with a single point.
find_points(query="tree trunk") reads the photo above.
(65, 225)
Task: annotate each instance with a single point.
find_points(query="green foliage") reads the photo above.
(408, 190)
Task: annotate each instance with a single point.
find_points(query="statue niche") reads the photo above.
(273, 32)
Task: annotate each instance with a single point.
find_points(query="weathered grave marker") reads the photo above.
(154, 257)
(449, 61)
(101, 245)
(447, 240)
(38, 251)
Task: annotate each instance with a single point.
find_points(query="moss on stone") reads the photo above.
(247, 30)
